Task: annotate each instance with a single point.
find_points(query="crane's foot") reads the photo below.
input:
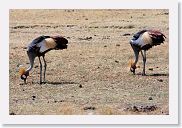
(43, 82)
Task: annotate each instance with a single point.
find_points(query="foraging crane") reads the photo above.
(142, 41)
(39, 47)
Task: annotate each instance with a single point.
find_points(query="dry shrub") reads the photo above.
(66, 110)
(108, 111)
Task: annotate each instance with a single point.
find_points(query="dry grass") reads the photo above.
(91, 76)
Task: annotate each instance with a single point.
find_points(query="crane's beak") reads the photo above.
(132, 70)
(25, 81)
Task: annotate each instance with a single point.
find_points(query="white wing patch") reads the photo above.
(146, 39)
(46, 44)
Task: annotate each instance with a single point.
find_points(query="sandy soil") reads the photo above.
(91, 76)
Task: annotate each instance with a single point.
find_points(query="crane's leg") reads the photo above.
(45, 66)
(40, 70)
(143, 52)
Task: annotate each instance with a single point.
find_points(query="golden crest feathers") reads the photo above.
(21, 70)
(130, 62)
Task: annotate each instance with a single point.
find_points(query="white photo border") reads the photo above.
(172, 118)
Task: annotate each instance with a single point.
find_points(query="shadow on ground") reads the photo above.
(61, 82)
(156, 74)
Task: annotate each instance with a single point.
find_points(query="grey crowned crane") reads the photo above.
(143, 41)
(38, 48)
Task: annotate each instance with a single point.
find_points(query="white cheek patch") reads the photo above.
(46, 44)
(24, 76)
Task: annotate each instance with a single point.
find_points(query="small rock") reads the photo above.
(70, 25)
(151, 69)
(88, 38)
(166, 13)
(12, 113)
(135, 109)
(150, 98)
(160, 80)
(16, 101)
(33, 97)
(89, 108)
(116, 61)
(127, 108)
(80, 86)
(117, 45)
(105, 46)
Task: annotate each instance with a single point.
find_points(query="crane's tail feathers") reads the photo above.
(157, 37)
(164, 36)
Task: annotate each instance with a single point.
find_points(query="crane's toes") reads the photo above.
(143, 74)
(43, 82)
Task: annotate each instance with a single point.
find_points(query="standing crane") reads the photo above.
(143, 41)
(38, 48)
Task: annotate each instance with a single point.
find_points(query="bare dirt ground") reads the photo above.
(91, 76)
